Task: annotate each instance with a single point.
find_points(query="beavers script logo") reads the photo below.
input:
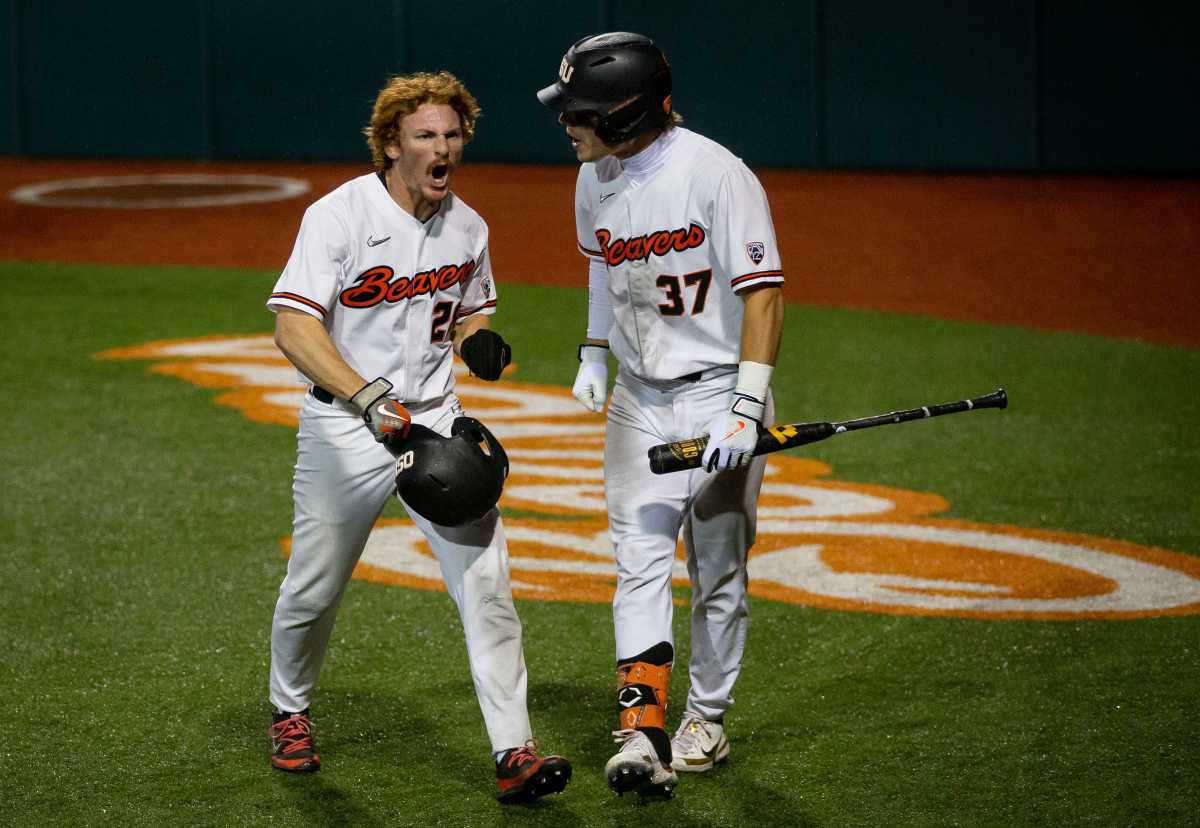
(640, 248)
(380, 284)
(822, 542)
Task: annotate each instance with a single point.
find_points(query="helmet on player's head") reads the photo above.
(622, 77)
(449, 480)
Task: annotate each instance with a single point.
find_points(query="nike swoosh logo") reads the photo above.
(606, 197)
(740, 427)
(371, 242)
(709, 756)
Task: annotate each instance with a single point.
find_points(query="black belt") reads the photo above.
(691, 377)
(322, 395)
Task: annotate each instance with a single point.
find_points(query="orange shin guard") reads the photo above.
(642, 694)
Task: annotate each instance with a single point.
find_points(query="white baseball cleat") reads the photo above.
(698, 745)
(637, 767)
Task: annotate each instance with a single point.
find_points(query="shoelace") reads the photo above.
(518, 756)
(620, 736)
(294, 733)
(685, 738)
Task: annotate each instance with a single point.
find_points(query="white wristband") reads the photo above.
(754, 378)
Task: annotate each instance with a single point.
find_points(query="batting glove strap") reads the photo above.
(746, 406)
(591, 352)
(369, 393)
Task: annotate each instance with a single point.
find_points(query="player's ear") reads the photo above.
(392, 151)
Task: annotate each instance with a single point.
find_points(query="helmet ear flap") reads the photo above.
(483, 440)
(649, 109)
(467, 424)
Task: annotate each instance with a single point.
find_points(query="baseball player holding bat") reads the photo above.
(390, 274)
(684, 280)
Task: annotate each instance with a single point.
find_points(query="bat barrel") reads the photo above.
(672, 457)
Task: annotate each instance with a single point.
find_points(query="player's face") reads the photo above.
(428, 149)
(581, 129)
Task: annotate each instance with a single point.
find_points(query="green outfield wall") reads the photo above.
(1025, 85)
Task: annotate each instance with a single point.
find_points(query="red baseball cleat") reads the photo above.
(523, 776)
(292, 746)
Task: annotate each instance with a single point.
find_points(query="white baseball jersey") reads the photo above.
(679, 246)
(388, 287)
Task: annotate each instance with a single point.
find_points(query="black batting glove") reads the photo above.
(486, 353)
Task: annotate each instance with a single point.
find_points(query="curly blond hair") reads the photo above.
(402, 95)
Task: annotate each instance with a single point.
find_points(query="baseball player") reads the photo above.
(684, 283)
(390, 273)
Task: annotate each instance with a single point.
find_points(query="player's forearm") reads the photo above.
(306, 344)
(468, 326)
(762, 325)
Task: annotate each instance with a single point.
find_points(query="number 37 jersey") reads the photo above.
(680, 246)
(389, 288)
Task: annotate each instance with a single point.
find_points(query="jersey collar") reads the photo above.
(385, 202)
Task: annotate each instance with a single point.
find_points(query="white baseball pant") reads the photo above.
(716, 514)
(343, 479)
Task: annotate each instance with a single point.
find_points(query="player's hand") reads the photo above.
(591, 383)
(486, 353)
(733, 434)
(384, 416)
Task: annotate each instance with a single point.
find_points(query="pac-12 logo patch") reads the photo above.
(756, 251)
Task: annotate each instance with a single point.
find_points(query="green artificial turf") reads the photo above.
(140, 528)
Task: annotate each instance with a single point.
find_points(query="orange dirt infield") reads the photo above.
(1109, 256)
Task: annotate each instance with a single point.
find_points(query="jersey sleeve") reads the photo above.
(587, 189)
(310, 279)
(743, 231)
(479, 293)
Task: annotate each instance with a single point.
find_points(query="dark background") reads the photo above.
(1026, 85)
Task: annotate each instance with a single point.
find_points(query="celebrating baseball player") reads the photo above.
(684, 285)
(389, 274)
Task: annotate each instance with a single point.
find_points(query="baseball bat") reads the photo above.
(686, 454)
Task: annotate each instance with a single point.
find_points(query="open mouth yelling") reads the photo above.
(439, 175)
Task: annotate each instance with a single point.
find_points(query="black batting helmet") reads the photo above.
(622, 77)
(449, 480)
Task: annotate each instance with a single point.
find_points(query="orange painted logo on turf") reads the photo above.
(821, 542)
